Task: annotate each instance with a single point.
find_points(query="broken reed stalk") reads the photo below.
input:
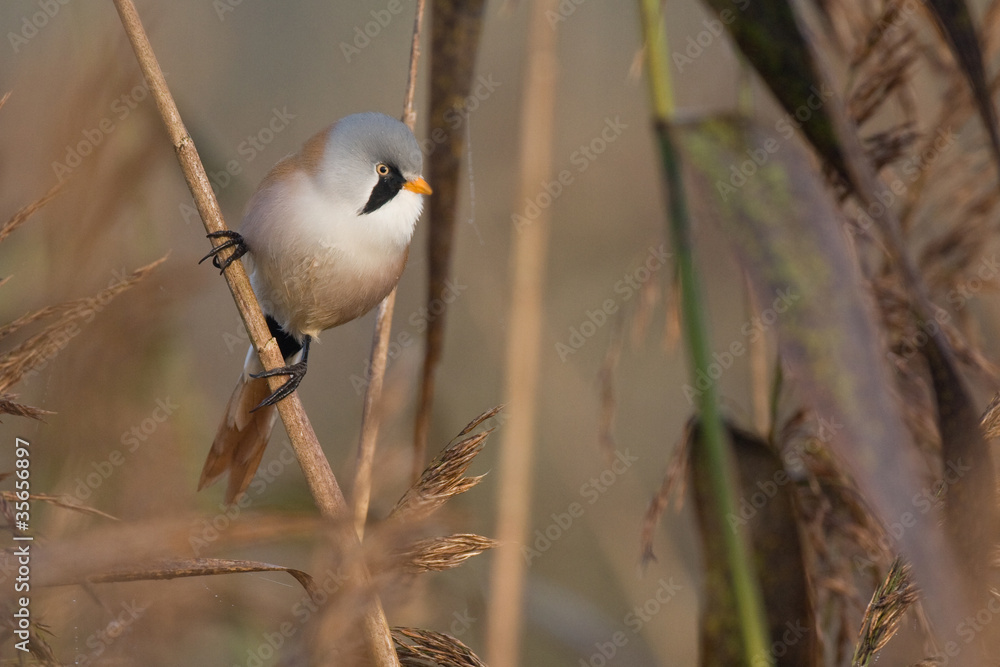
(362, 488)
(528, 258)
(746, 589)
(319, 476)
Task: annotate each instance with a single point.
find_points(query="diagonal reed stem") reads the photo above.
(361, 492)
(319, 476)
(746, 589)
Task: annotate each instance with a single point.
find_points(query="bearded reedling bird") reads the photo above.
(328, 230)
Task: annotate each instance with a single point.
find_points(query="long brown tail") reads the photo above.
(241, 439)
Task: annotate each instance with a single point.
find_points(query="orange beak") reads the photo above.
(419, 186)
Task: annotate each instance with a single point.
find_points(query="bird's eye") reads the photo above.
(382, 169)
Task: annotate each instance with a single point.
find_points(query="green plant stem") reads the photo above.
(746, 589)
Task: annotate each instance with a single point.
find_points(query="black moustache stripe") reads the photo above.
(383, 192)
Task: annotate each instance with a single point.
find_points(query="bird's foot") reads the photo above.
(235, 241)
(295, 373)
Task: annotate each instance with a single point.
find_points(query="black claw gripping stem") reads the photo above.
(235, 241)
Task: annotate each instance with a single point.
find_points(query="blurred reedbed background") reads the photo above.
(823, 350)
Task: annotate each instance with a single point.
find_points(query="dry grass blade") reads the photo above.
(436, 554)
(423, 648)
(17, 362)
(18, 218)
(609, 404)
(674, 478)
(888, 604)
(59, 501)
(442, 479)
(197, 567)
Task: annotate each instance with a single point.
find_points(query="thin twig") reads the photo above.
(361, 492)
(319, 476)
(528, 260)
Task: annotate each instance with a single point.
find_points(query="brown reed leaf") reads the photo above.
(765, 512)
(194, 567)
(889, 603)
(26, 212)
(15, 363)
(424, 648)
(828, 340)
(769, 35)
(436, 554)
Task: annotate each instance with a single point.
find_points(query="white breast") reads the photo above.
(317, 262)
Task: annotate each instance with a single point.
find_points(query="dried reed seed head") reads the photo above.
(890, 601)
(437, 554)
(442, 479)
(26, 212)
(424, 648)
(991, 418)
(489, 414)
(9, 407)
(15, 363)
